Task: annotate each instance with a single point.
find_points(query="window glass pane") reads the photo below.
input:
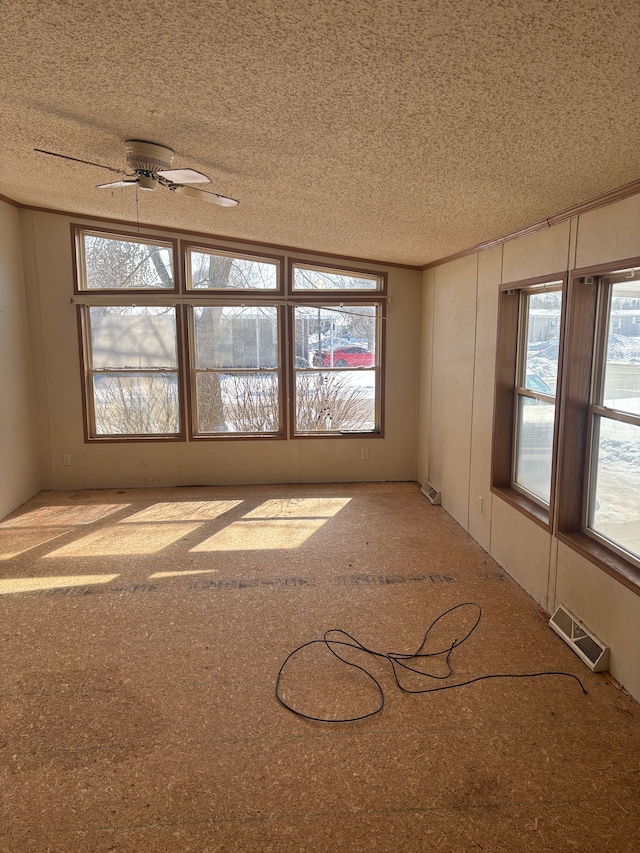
(614, 498)
(119, 264)
(313, 278)
(335, 337)
(129, 403)
(335, 400)
(543, 340)
(129, 336)
(237, 402)
(622, 360)
(236, 337)
(534, 446)
(216, 271)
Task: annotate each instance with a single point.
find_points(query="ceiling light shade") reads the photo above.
(147, 182)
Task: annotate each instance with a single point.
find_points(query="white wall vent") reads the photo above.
(431, 493)
(586, 645)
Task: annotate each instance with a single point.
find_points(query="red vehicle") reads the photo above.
(345, 356)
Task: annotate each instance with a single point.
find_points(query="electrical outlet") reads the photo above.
(364, 453)
(480, 504)
(66, 459)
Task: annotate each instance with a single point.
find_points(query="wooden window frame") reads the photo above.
(508, 358)
(91, 436)
(581, 376)
(189, 246)
(183, 299)
(363, 294)
(329, 301)
(194, 433)
(78, 233)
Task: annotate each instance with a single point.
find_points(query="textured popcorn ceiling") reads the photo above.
(393, 129)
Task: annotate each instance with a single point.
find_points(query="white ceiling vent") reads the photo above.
(431, 493)
(586, 645)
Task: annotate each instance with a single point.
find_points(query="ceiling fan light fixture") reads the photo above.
(147, 182)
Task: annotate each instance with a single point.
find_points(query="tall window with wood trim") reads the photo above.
(337, 319)
(536, 384)
(527, 382)
(598, 493)
(611, 509)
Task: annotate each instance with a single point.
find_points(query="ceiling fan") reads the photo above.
(151, 167)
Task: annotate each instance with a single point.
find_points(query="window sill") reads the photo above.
(525, 505)
(619, 568)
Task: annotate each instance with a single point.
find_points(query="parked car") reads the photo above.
(535, 383)
(345, 356)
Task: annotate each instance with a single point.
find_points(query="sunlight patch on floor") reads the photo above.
(299, 508)
(121, 540)
(12, 585)
(50, 516)
(182, 511)
(14, 542)
(268, 535)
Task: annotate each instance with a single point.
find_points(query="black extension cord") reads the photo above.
(334, 638)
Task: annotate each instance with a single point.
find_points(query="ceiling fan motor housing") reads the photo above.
(147, 156)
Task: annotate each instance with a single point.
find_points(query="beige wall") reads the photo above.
(456, 407)
(19, 477)
(50, 285)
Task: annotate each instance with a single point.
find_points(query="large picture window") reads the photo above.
(190, 340)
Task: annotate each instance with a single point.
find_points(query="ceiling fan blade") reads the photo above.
(76, 160)
(213, 198)
(124, 183)
(184, 176)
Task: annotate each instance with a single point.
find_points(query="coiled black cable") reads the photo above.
(333, 639)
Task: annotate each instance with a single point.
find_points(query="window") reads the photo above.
(122, 263)
(591, 460)
(236, 370)
(131, 370)
(209, 269)
(530, 314)
(338, 334)
(538, 345)
(336, 368)
(312, 277)
(613, 491)
(224, 342)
